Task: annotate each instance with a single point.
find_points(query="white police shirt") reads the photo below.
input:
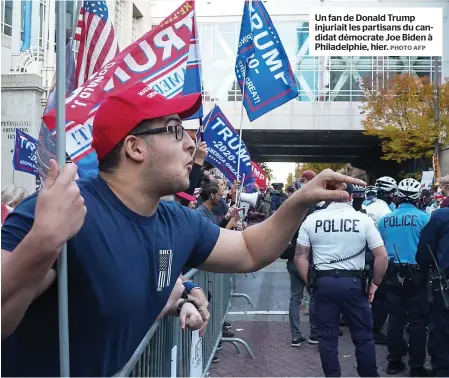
(338, 232)
(377, 210)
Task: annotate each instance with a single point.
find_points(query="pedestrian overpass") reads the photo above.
(327, 132)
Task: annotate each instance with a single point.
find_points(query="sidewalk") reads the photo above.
(270, 342)
(267, 330)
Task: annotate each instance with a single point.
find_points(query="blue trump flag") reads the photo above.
(223, 144)
(192, 76)
(27, 10)
(24, 157)
(269, 79)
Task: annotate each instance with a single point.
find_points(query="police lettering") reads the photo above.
(399, 221)
(336, 225)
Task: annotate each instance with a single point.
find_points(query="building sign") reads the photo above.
(9, 128)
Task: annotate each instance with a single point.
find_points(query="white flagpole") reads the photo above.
(64, 355)
(241, 120)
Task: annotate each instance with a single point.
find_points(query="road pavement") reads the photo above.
(266, 329)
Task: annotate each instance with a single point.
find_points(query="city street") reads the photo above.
(269, 334)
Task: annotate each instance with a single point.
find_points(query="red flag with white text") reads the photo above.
(259, 175)
(159, 58)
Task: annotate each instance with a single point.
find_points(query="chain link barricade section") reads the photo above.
(166, 347)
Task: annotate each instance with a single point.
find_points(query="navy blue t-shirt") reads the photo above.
(121, 270)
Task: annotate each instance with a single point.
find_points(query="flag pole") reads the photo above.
(64, 355)
(201, 129)
(241, 120)
(436, 115)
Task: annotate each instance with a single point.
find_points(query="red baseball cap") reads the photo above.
(444, 203)
(186, 196)
(308, 175)
(120, 113)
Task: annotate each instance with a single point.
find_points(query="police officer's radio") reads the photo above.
(438, 282)
(401, 273)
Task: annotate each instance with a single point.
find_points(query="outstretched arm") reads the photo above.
(261, 244)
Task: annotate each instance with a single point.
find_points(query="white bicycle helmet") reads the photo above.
(409, 189)
(371, 190)
(386, 184)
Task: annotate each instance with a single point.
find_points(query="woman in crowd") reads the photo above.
(12, 195)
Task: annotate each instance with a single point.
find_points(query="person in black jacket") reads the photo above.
(197, 170)
(297, 286)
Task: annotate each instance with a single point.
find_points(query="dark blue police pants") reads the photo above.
(438, 345)
(379, 304)
(335, 295)
(407, 303)
(379, 308)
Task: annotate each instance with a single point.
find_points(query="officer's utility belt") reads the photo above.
(404, 273)
(339, 273)
(364, 274)
(405, 269)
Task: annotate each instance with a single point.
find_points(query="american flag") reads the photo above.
(165, 261)
(98, 43)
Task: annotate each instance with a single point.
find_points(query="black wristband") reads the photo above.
(183, 302)
(375, 283)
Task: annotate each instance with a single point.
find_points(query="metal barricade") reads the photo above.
(166, 350)
(240, 295)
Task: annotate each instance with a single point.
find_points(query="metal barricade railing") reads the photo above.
(240, 295)
(166, 350)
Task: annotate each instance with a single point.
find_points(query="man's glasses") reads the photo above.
(178, 130)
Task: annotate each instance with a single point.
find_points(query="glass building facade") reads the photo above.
(336, 78)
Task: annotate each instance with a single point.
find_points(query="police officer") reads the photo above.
(337, 237)
(378, 306)
(406, 293)
(434, 240)
(370, 195)
(386, 189)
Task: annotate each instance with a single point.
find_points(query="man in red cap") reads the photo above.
(125, 259)
(306, 177)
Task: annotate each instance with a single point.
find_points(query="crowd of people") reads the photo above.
(127, 249)
(382, 255)
(153, 212)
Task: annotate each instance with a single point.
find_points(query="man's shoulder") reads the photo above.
(380, 208)
(422, 214)
(310, 217)
(180, 214)
(27, 206)
(201, 209)
(174, 209)
(441, 215)
(364, 217)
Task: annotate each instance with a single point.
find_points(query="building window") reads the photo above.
(134, 29)
(235, 94)
(42, 10)
(206, 95)
(7, 17)
(118, 17)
